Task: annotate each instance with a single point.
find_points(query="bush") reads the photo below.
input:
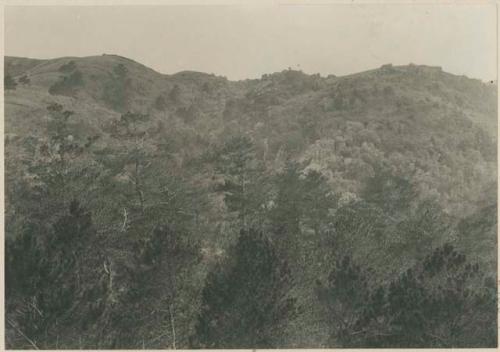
(160, 103)
(68, 67)
(24, 80)
(116, 88)
(67, 85)
(9, 82)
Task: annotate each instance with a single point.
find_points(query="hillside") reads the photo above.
(418, 119)
(143, 198)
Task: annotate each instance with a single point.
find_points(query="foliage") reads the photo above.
(174, 94)
(160, 103)
(243, 181)
(346, 190)
(345, 297)
(9, 82)
(303, 200)
(246, 300)
(24, 79)
(116, 89)
(443, 302)
(60, 275)
(68, 67)
(67, 85)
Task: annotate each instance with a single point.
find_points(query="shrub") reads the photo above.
(9, 82)
(67, 85)
(68, 67)
(24, 80)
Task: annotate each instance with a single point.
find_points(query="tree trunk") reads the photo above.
(138, 190)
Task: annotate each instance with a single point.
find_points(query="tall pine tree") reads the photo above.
(246, 302)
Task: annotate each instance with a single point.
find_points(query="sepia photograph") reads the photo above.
(250, 175)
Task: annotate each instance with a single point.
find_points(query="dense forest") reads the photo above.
(292, 211)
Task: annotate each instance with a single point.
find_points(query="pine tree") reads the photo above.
(243, 180)
(166, 260)
(346, 298)
(317, 201)
(246, 302)
(61, 169)
(445, 301)
(133, 158)
(303, 199)
(60, 278)
(301, 212)
(286, 213)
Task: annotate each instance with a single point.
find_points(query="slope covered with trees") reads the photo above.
(183, 211)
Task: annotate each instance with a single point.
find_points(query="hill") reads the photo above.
(135, 200)
(418, 119)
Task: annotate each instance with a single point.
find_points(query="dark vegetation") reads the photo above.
(115, 89)
(69, 83)
(246, 301)
(293, 211)
(24, 79)
(9, 82)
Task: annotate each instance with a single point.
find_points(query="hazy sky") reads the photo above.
(242, 41)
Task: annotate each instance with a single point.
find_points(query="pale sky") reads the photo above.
(243, 41)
